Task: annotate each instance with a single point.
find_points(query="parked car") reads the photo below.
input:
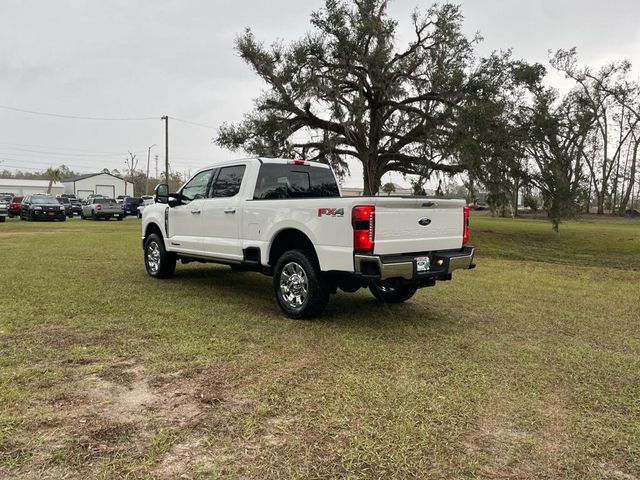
(41, 206)
(145, 202)
(5, 200)
(130, 205)
(99, 207)
(66, 203)
(91, 196)
(76, 206)
(286, 218)
(14, 205)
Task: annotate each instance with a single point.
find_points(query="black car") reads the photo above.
(66, 203)
(76, 206)
(130, 205)
(41, 207)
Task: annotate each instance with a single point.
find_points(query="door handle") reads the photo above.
(229, 210)
(195, 212)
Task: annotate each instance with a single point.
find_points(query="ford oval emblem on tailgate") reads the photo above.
(424, 221)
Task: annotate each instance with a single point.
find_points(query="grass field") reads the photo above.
(527, 367)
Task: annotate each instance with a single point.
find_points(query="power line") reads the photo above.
(49, 147)
(192, 123)
(97, 118)
(29, 152)
(77, 117)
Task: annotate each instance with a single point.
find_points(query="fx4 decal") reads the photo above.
(331, 212)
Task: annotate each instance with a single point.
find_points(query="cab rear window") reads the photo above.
(277, 181)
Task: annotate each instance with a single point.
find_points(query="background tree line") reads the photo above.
(434, 109)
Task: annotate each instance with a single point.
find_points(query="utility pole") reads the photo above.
(157, 166)
(166, 148)
(146, 187)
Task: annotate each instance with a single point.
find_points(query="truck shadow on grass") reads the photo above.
(254, 292)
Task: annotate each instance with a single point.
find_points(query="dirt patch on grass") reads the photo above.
(124, 421)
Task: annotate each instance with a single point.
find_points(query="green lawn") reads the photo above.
(526, 367)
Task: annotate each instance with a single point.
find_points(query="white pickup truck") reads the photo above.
(286, 218)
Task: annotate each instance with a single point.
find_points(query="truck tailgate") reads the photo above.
(406, 225)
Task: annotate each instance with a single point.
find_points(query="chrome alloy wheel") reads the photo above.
(153, 257)
(294, 285)
(385, 288)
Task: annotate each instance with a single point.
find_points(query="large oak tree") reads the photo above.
(347, 90)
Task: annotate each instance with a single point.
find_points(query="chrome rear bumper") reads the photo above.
(383, 267)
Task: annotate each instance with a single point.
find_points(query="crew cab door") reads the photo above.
(222, 213)
(184, 222)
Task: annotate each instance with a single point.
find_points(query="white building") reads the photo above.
(355, 188)
(26, 186)
(97, 183)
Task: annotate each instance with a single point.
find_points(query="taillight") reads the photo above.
(98, 207)
(363, 221)
(465, 225)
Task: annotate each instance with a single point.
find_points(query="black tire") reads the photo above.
(93, 215)
(303, 264)
(166, 261)
(119, 217)
(63, 219)
(387, 294)
(2, 219)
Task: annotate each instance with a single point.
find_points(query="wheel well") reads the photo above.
(289, 239)
(152, 228)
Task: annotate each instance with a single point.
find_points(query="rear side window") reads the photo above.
(294, 181)
(228, 182)
(106, 201)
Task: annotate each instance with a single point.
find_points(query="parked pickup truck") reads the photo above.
(100, 207)
(286, 218)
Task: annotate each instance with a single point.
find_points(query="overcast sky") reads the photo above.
(118, 58)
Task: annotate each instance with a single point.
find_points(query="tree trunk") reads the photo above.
(632, 180)
(372, 177)
(50, 185)
(600, 198)
(515, 201)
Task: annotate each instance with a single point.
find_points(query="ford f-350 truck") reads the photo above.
(287, 219)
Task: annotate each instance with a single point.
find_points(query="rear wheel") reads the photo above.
(63, 219)
(389, 294)
(119, 217)
(158, 262)
(2, 219)
(301, 291)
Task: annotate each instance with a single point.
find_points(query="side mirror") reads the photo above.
(175, 199)
(161, 193)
